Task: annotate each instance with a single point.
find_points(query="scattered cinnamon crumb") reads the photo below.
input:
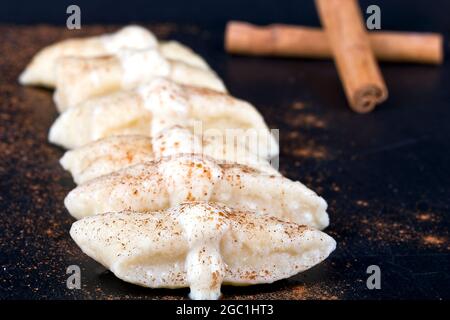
(362, 203)
(388, 232)
(299, 291)
(423, 217)
(434, 240)
(310, 152)
(304, 120)
(304, 148)
(335, 187)
(303, 292)
(298, 105)
(427, 217)
(313, 121)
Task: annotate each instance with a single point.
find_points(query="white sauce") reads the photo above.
(129, 37)
(167, 102)
(142, 65)
(205, 269)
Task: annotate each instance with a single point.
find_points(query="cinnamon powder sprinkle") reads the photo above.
(298, 105)
(434, 240)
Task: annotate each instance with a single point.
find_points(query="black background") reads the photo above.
(417, 15)
(385, 175)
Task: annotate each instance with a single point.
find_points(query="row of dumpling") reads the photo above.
(164, 199)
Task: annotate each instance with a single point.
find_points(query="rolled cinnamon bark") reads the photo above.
(352, 52)
(299, 41)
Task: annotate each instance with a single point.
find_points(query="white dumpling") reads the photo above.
(117, 152)
(170, 181)
(78, 79)
(151, 108)
(107, 155)
(201, 246)
(41, 70)
(119, 113)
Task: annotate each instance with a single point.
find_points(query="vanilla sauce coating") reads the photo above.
(143, 65)
(205, 268)
(132, 36)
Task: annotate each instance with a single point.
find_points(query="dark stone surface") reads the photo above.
(385, 175)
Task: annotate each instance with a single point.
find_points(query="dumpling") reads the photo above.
(153, 107)
(170, 181)
(78, 79)
(41, 70)
(119, 113)
(201, 246)
(107, 155)
(174, 50)
(117, 152)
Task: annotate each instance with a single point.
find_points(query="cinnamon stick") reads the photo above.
(352, 52)
(299, 41)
